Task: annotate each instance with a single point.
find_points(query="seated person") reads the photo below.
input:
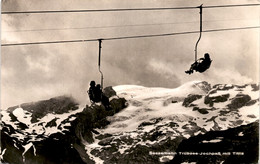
(103, 98)
(93, 93)
(96, 95)
(200, 65)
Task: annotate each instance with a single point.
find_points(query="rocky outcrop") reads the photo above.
(239, 101)
(205, 86)
(61, 147)
(201, 110)
(187, 101)
(58, 105)
(109, 92)
(236, 145)
(216, 99)
(95, 117)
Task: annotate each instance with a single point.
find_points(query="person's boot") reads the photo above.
(188, 72)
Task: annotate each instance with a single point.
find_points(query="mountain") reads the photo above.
(195, 122)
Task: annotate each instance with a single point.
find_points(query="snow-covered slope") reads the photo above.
(156, 116)
(155, 120)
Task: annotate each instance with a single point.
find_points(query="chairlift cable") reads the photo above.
(120, 26)
(122, 9)
(128, 37)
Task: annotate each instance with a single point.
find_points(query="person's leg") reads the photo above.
(192, 67)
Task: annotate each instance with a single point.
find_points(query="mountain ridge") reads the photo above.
(142, 120)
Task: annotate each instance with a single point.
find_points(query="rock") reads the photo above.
(135, 103)
(13, 154)
(220, 142)
(65, 147)
(102, 136)
(255, 87)
(187, 101)
(20, 125)
(215, 99)
(239, 101)
(205, 86)
(251, 116)
(223, 86)
(109, 92)
(151, 122)
(48, 150)
(118, 104)
(201, 110)
(172, 100)
(251, 102)
(106, 141)
(52, 123)
(95, 117)
(59, 105)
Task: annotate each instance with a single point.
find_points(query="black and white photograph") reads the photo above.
(129, 81)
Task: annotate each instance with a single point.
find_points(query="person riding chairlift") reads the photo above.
(92, 92)
(96, 95)
(200, 65)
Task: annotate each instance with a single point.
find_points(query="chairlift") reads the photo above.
(95, 92)
(93, 83)
(198, 64)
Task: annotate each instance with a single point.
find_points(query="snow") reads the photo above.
(253, 95)
(136, 115)
(16, 146)
(153, 98)
(88, 149)
(247, 110)
(22, 116)
(7, 119)
(34, 150)
(38, 127)
(165, 158)
(26, 148)
(220, 93)
(123, 149)
(140, 92)
(2, 154)
(212, 141)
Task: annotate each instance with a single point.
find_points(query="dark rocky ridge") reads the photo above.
(242, 143)
(66, 147)
(59, 105)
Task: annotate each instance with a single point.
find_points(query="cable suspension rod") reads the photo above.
(196, 46)
(99, 61)
(123, 9)
(128, 37)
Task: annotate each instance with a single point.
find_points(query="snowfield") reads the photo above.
(153, 110)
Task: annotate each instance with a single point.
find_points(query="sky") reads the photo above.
(35, 72)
